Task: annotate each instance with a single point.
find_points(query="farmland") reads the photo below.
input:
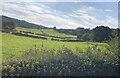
(16, 45)
(46, 31)
(84, 57)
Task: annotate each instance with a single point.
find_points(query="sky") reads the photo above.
(64, 14)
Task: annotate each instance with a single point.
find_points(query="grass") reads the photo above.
(45, 31)
(13, 45)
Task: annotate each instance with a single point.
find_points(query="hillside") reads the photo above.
(21, 23)
(49, 33)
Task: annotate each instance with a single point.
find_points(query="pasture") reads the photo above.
(45, 32)
(13, 45)
(47, 57)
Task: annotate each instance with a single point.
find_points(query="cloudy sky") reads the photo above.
(64, 14)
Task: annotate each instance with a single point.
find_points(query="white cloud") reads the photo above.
(111, 21)
(87, 17)
(91, 17)
(84, 9)
(107, 10)
(38, 9)
(51, 20)
(82, 13)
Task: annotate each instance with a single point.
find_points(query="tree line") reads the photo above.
(97, 34)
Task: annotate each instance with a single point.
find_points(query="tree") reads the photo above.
(83, 33)
(85, 37)
(80, 31)
(8, 26)
(79, 36)
(90, 36)
(54, 28)
(101, 33)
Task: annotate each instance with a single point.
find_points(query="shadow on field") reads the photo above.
(63, 63)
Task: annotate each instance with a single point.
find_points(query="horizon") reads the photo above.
(70, 15)
(60, 28)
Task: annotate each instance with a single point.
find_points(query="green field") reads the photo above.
(13, 45)
(45, 31)
(54, 55)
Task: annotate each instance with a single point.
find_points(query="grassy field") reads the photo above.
(13, 45)
(45, 31)
(30, 56)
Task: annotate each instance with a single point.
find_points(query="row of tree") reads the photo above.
(97, 34)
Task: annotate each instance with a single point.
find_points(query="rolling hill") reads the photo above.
(21, 23)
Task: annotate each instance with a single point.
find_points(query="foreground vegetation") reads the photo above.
(46, 63)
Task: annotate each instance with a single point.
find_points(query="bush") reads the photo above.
(114, 48)
(27, 35)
